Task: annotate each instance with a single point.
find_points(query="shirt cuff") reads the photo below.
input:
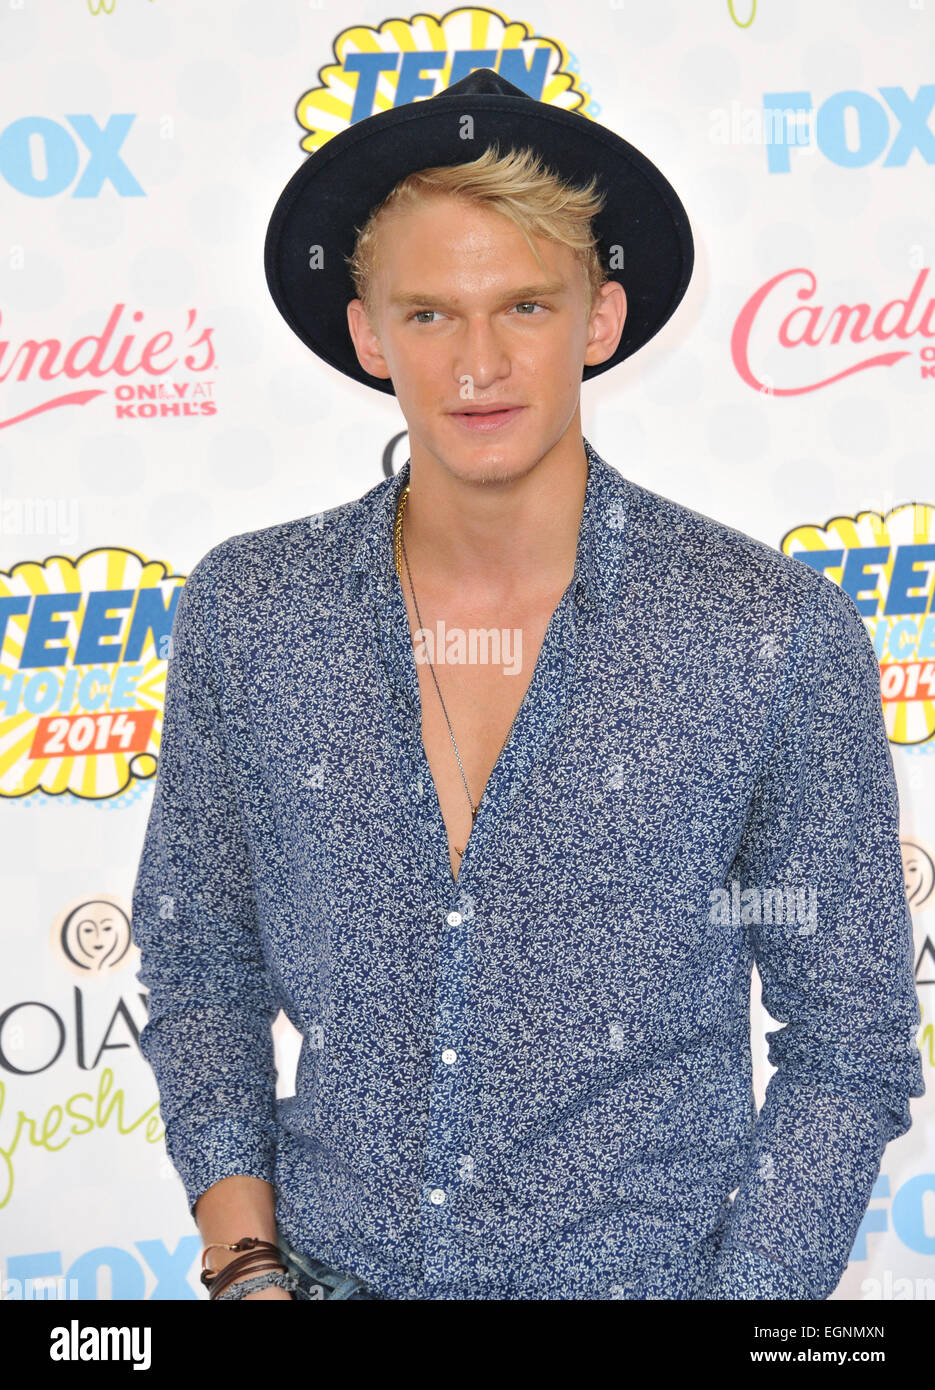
(742, 1273)
(235, 1146)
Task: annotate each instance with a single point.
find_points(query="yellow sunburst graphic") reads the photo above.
(83, 668)
(372, 63)
(887, 564)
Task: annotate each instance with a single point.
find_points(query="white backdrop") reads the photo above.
(143, 144)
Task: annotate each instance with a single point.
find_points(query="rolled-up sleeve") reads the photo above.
(211, 1004)
(824, 823)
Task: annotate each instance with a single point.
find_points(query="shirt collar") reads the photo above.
(372, 572)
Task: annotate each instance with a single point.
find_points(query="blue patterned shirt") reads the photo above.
(534, 1081)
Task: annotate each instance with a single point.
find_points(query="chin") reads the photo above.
(495, 463)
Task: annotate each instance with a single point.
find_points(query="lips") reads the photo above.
(485, 421)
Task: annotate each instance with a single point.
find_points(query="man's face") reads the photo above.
(465, 318)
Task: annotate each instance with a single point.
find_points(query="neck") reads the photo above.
(501, 537)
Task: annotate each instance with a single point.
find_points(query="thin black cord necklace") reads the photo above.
(400, 543)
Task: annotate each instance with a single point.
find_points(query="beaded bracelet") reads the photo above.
(259, 1281)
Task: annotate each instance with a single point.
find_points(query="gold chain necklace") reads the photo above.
(399, 545)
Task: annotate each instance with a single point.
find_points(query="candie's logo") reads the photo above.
(149, 374)
(789, 340)
(410, 59)
(83, 651)
(887, 566)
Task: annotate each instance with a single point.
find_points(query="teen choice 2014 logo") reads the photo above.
(405, 60)
(84, 645)
(886, 563)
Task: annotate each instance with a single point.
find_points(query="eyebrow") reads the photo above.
(524, 292)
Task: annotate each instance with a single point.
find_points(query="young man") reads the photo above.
(512, 903)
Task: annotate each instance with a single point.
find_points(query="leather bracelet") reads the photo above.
(238, 1272)
(245, 1243)
(258, 1255)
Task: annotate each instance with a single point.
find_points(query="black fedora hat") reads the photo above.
(334, 191)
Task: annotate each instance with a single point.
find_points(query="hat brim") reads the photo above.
(334, 191)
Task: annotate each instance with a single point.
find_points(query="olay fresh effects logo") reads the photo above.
(852, 129)
(91, 936)
(887, 566)
(147, 373)
(788, 333)
(96, 7)
(919, 880)
(41, 157)
(83, 650)
(918, 874)
(410, 60)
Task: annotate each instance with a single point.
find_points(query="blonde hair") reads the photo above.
(515, 184)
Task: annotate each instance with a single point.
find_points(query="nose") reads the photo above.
(482, 357)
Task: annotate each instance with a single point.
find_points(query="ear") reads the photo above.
(366, 343)
(605, 323)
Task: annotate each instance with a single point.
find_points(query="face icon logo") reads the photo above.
(92, 936)
(918, 873)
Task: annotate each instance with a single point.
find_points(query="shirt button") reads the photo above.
(449, 1055)
(436, 1196)
(454, 919)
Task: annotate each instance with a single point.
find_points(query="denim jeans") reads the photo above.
(317, 1280)
(681, 1274)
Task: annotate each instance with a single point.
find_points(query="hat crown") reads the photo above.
(484, 82)
(331, 195)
